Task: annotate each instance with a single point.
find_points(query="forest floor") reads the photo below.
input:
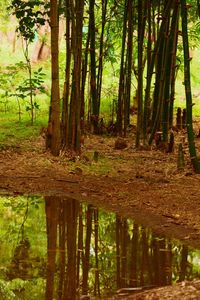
(144, 184)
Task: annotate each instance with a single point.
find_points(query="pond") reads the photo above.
(53, 248)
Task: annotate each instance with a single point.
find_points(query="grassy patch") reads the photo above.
(13, 132)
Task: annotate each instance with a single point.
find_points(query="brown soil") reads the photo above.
(145, 184)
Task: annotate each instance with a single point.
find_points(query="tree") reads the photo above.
(188, 94)
(53, 130)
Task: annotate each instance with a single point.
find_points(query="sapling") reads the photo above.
(30, 17)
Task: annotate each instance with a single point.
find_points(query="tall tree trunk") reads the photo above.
(93, 78)
(160, 80)
(146, 113)
(120, 105)
(169, 68)
(54, 114)
(100, 66)
(129, 59)
(83, 81)
(153, 59)
(173, 74)
(77, 9)
(195, 162)
(66, 93)
(142, 9)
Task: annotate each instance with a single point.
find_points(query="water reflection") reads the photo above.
(62, 249)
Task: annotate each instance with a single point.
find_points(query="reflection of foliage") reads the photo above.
(19, 289)
(5, 292)
(14, 215)
(26, 261)
(23, 264)
(20, 265)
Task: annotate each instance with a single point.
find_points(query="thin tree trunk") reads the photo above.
(122, 74)
(74, 138)
(129, 59)
(54, 117)
(142, 10)
(169, 67)
(146, 113)
(65, 112)
(100, 66)
(189, 104)
(93, 78)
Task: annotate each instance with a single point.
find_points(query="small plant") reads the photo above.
(11, 85)
(23, 91)
(30, 17)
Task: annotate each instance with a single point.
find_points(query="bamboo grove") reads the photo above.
(146, 36)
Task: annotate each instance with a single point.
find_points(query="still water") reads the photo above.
(53, 248)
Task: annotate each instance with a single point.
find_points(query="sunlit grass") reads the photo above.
(12, 132)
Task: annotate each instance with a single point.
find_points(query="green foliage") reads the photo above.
(14, 85)
(29, 17)
(5, 292)
(33, 86)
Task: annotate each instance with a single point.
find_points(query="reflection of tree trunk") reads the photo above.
(156, 261)
(183, 264)
(52, 220)
(71, 211)
(86, 257)
(160, 274)
(121, 251)
(80, 244)
(62, 249)
(163, 253)
(168, 264)
(134, 256)
(63, 213)
(124, 252)
(145, 264)
(96, 231)
(118, 250)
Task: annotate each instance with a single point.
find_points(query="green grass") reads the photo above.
(13, 132)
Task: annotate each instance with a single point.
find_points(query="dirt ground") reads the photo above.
(145, 184)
